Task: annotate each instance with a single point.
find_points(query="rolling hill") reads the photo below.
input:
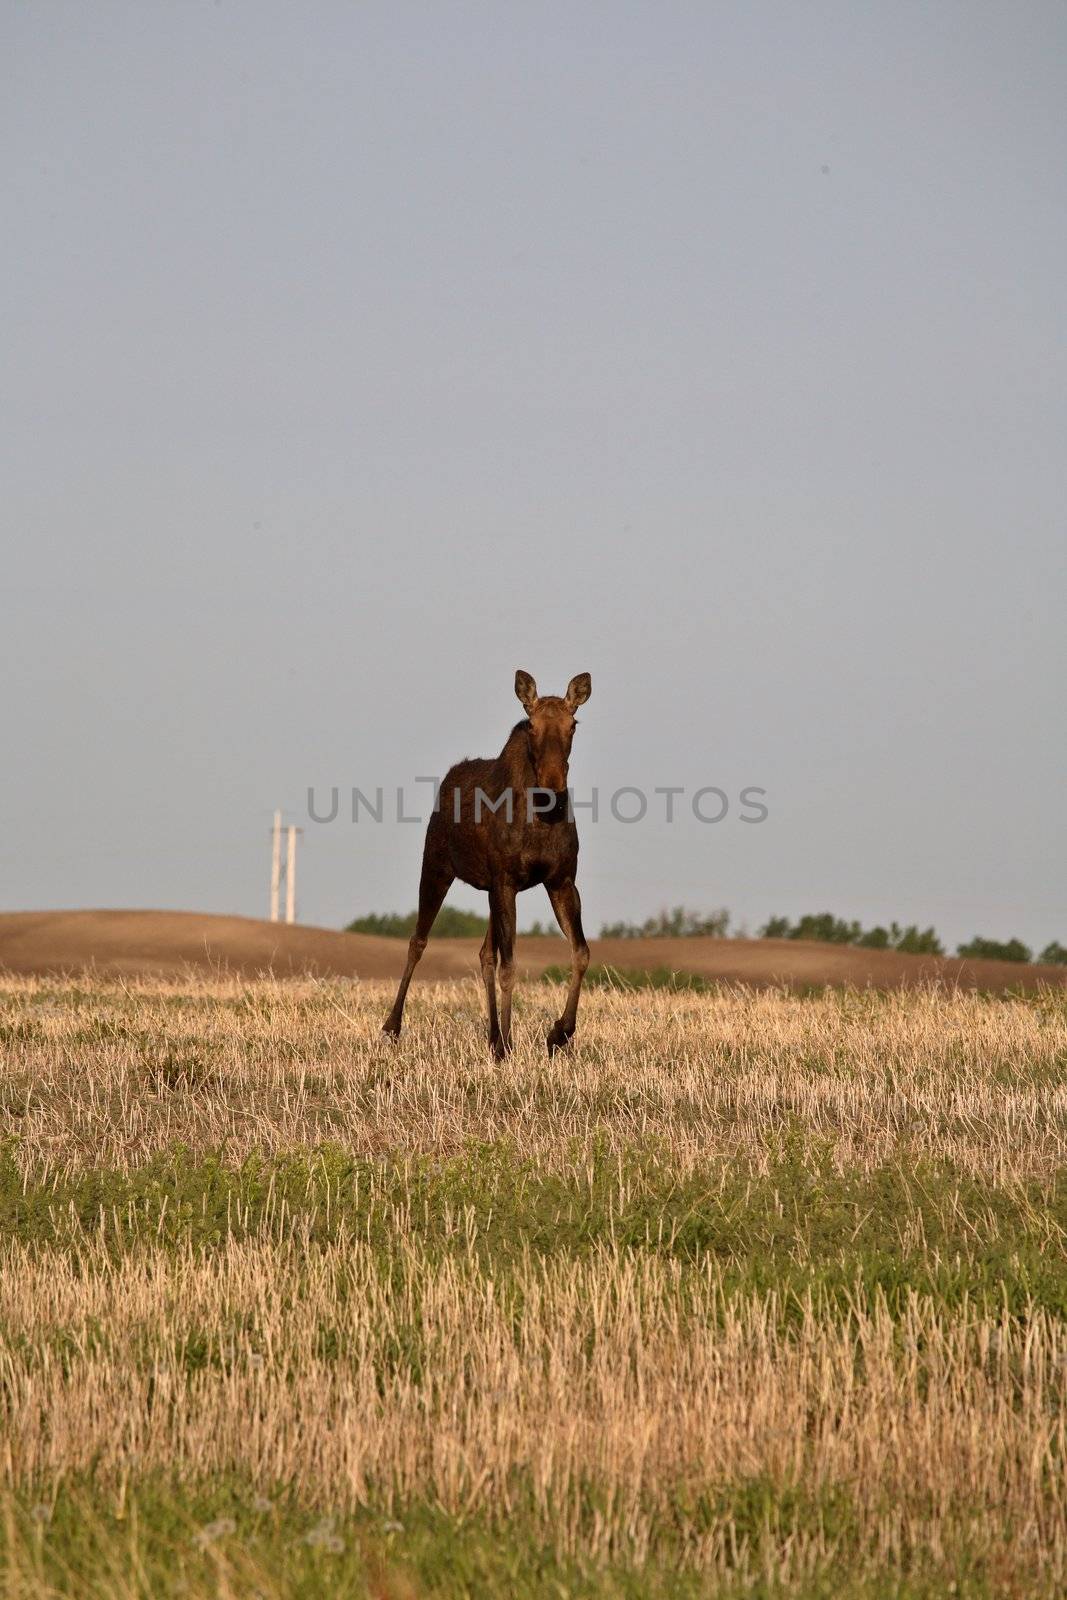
(132, 943)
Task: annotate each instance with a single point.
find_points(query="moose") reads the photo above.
(504, 824)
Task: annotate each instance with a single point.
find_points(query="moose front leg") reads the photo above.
(568, 908)
(487, 959)
(502, 927)
(434, 885)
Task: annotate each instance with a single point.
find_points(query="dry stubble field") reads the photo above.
(748, 1293)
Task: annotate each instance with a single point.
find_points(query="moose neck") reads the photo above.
(515, 770)
(515, 762)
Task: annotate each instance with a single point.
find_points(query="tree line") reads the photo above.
(679, 922)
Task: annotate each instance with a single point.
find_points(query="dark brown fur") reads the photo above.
(504, 854)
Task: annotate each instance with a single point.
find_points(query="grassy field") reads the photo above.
(747, 1294)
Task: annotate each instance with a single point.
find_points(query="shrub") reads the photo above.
(915, 943)
(451, 923)
(825, 928)
(819, 925)
(980, 949)
(675, 924)
(1054, 955)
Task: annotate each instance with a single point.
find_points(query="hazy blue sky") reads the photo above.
(358, 354)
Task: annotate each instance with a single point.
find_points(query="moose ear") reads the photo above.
(578, 691)
(526, 690)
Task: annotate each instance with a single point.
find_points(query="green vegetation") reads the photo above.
(231, 1540)
(678, 923)
(451, 923)
(799, 1226)
(824, 927)
(979, 949)
(160, 1540)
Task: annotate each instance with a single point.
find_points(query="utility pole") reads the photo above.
(290, 877)
(275, 865)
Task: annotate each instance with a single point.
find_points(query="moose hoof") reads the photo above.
(558, 1037)
(391, 1029)
(497, 1048)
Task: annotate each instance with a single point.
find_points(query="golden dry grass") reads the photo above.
(584, 1384)
(625, 1401)
(111, 1073)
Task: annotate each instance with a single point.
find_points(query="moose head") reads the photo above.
(552, 725)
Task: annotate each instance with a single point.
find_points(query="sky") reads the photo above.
(358, 354)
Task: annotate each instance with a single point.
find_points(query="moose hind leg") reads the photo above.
(502, 922)
(433, 886)
(568, 908)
